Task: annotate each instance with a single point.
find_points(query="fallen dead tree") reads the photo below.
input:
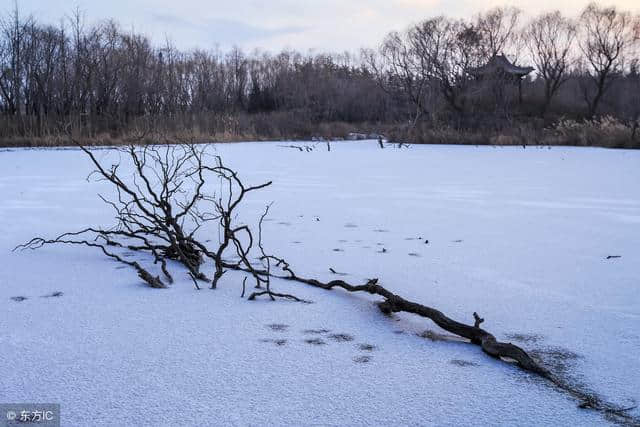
(393, 303)
(162, 206)
(507, 352)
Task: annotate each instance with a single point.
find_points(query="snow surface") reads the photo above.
(521, 236)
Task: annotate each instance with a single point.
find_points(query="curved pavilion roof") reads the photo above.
(499, 63)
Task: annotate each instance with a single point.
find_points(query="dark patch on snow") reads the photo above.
(557, 358)
(614, 256)
(295, 242)
(558, 353)
(284, 223)
(458, 241)
(398, 332)
(380, 230)
(528, 338)
(316, 331)
(349, 225)
(56, 294)
(315, 341)
(367, 347)
(18, 299)
(342, 241)
(432, 335)
(278, 327)
(414, 254)
(463, 363)
(362, 359)
(278, 343)
(341, 337)
(120, 267)
(338, 250)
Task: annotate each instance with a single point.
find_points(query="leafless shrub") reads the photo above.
(600, 131)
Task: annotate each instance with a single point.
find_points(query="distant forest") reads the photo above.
(442, 80)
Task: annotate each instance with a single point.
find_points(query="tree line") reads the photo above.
(100, 80)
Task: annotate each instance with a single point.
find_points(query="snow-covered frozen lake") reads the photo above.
(520, 235)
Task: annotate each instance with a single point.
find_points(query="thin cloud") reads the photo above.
(325, 25)
(225, 32)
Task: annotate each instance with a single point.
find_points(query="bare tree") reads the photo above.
(499, 30)
(401, 66)
(633, 101)
(606, 35)
(448, 49)
(239, 76)
(550, 39)
(14, 30)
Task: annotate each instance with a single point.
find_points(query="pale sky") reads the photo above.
(321, 25)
